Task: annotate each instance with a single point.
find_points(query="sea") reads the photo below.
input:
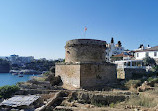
(9, 79)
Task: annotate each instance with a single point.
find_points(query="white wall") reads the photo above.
(143, 54)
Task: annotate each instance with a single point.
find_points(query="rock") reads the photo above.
(136, 109)
(92, 106)
(15, 110)
(87, 105)
(144, 87)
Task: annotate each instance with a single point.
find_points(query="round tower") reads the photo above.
(85, 50)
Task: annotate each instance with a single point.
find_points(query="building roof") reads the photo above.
(150, 49)
(128, 61)
(122, 55)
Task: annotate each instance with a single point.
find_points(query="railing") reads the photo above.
(135, 67)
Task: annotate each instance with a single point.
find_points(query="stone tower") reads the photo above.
(85, 64)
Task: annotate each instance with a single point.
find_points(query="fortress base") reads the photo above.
(84, 75)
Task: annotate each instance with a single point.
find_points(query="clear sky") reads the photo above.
(41, 28)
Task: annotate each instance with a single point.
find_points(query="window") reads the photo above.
(137, 54)
(133, 63)
(155, 54)
(68, 52)
(128, 64)
(147, 54)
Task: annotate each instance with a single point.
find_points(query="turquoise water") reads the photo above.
(9, 79)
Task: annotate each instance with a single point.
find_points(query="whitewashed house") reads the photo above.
(151, 52)
(113, 49)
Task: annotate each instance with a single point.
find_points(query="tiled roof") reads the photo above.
(122, 55)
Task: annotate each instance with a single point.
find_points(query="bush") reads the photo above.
(112, 105)
(132, 83)
(55, 80)
(46, 73)
(152, 81)
(8, 91)
(149, 61)
(155, 68)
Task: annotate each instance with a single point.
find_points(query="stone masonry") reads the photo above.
(128, 73)
(85, 65)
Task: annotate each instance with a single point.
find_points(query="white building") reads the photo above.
(151, 52)
(113, 49)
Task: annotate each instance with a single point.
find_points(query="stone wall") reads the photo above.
(127, 73)
(85, 50)
(97, 74)
(69, 73)
(83, 75)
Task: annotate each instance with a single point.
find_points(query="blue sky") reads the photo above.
(41, 28)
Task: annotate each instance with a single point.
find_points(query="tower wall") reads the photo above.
(85, 50)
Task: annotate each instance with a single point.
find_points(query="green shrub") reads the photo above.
(149, 79)
(46, 73)
(155, 68)
(149, 61)
(8, 91)
(152, 81)
(112, 105)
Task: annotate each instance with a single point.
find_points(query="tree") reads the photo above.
(141, 45)
(8, 91)
(149, 61)
(119, 43)
(112, 40)
(4, 62)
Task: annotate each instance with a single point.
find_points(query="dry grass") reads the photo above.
(132, 83)
(39, 78)
(144, 99)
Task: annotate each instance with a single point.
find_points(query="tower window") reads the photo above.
(68, 52)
